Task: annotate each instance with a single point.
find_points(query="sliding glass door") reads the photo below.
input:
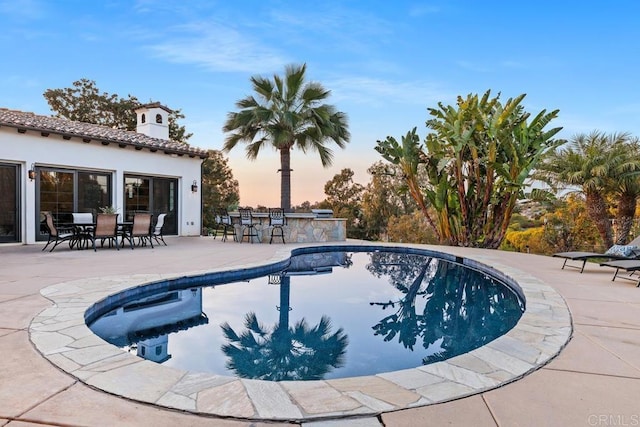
(9, 203)
(153, 195)
(63, 192)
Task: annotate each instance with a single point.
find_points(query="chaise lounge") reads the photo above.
(628, 265)
(630, 251)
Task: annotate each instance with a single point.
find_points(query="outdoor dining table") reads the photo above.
(81, 230)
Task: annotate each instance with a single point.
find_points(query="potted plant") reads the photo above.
(108, 210)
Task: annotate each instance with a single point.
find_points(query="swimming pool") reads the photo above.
(325, 313)
(61, 335)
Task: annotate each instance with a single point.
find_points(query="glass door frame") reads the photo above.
(17, 192)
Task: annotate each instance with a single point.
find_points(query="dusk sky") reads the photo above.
(385, 63)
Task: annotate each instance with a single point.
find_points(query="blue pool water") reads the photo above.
(328, 314)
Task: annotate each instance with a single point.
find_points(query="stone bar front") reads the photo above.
(298, 228)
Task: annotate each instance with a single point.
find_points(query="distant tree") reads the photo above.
(410, 228)
(219, 188)
(384, 197)
(477, 159)
(84, 103)
(305, 206)
(570, 228)
(286, 113)
(344, 197)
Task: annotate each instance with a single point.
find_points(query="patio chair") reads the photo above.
(106, 229)
(247, 226)
(225, 223)
(615, 252)
(276, 223)
(157, 230)
(141, 229)
(58, 235)
(83, 224)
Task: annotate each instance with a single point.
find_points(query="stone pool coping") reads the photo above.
(61, 335)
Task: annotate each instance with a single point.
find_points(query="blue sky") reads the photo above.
(385, 62)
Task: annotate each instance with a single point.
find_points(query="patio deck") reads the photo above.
(595, 380)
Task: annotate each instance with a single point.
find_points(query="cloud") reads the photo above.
(477, 68)
(217, 47)
(22, 9)
(378, 92)
(329, 27)
(422, 10)
(19, 81)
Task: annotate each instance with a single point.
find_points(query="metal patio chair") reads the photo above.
(106, 229)
(247, 226)
(225, 223)
(157, 231)
(140, 229)
(58, 235)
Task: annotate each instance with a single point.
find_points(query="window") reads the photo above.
(158, 118)
(143, 118)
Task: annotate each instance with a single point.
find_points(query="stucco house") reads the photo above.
(61, 166)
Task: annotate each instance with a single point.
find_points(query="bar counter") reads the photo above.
(299, 227)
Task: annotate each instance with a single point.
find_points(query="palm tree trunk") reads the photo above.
(285, 292)
(597, 210)
(624, 218)
(285, 179)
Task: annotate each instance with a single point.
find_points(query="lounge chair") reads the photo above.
(615, 252)
(628, 265)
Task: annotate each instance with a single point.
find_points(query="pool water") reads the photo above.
(330, 314)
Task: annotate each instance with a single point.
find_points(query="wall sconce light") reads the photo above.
(194, 186)
(32, 173)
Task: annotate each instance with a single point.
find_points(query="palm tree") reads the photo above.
(626, 187)
(284, 353)
(596, 165)
(286, 113)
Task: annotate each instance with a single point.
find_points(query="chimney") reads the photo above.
(153, 120)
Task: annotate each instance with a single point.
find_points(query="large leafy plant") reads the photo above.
(477, 159)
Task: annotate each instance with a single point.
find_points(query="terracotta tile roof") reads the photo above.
(67, 128)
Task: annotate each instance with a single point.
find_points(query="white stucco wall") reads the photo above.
(30, 148)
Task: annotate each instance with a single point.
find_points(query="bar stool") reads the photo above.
(247, 225)
(276, 222)
(224, 222)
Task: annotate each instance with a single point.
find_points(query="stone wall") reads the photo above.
(304, 230)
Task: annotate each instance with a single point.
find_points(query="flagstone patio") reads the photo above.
(53, 372)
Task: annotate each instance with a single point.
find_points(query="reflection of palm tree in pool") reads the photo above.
(402, 270)
(459, 310)
(282, 352)
(465, 312)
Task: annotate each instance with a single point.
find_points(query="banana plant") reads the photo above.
(407, 155)
(477, 159)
